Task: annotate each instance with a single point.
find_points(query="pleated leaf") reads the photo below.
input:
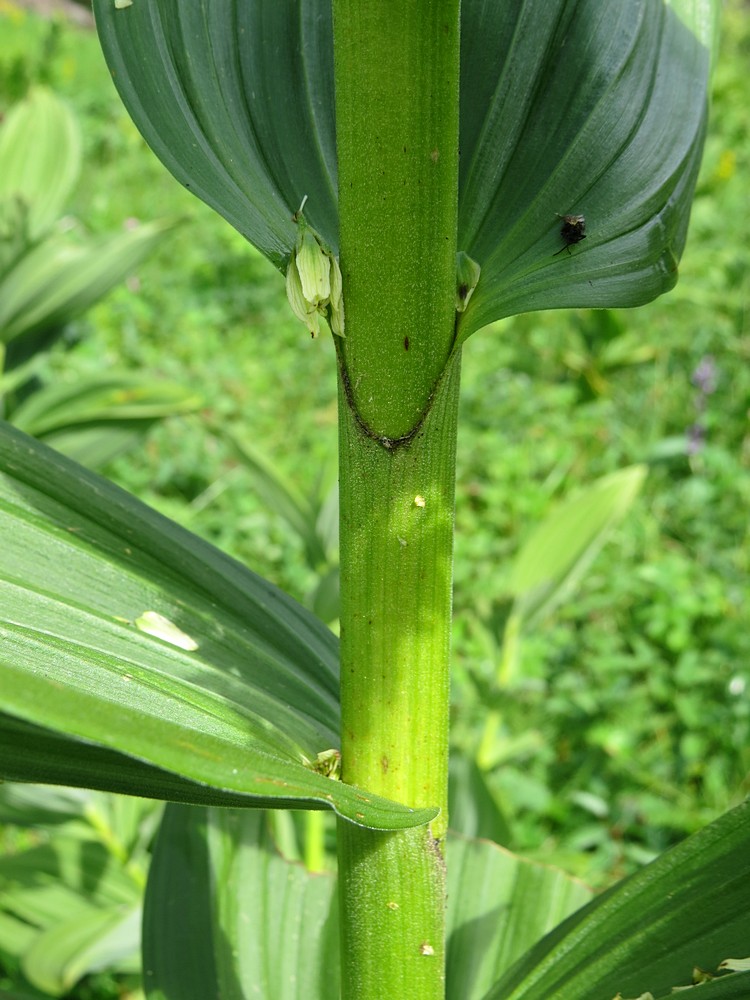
(594, 108)
(95, 418)
(689, 908)
(68, 906)
(236, 99)
(568, 107)
(40, 158)
(499, 905)
(225, 915)
(223, 909)
(120, 630)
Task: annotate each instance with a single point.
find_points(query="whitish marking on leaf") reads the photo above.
(155, 624)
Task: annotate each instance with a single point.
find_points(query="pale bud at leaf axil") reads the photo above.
(467, 277)
(314, 285)
(314, 266)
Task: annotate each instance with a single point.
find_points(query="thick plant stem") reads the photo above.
(397, 522)
(397, 134)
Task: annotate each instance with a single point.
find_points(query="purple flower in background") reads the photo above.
(705, 376)
(705, 379)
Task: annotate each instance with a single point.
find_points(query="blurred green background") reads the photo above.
(625, 722)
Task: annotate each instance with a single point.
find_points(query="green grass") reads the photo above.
(630, 717)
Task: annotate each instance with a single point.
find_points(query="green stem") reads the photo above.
(397, 534)
(397, 134)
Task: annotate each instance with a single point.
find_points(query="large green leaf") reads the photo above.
(225, 915)
(595, 107)
(234, 687)
(499, 905)
(237, 100)
(690, 907)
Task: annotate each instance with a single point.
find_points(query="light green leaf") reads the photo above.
(499, 905)
(246, 713)
(71, 905)
(591, 107)
(222, 907)
(226, 915)
(40, 158)
(81, 943)
(688, 908)
(58, 279)
(114, 396)
(560, 550)
(93, 419)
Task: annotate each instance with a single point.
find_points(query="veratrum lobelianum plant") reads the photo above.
(137, 658)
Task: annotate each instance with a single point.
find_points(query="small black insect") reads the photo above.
(572, 230)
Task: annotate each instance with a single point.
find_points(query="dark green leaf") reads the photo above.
(591, 107)
(598, 108)
(237, 100)
(690, 907)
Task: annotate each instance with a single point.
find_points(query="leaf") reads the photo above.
(226, 915)
(472, 808)
(114, 396)
(58, 280)
(245, 714)
(71, 905)
(564, 545)
(85, 942)
(592, 107)
(688, 908)
(40, 158)
(280, 496)
(498, 906)
(597, 108)
(93, 419)
(237, 101)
